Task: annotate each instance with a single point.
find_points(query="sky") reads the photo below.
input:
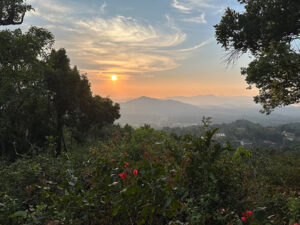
(156, 48)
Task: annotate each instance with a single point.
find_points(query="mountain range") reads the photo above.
(186, 111)
(212, 100)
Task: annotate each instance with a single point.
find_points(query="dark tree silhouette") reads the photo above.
(72, 99)
(267, 29)
(24, 117)
(12, 12)
(40, 94)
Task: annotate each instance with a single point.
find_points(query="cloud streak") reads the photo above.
(180, 6)
(197, 19)
(186, 6)
(102, 8)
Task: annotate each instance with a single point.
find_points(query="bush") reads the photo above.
(145, 176)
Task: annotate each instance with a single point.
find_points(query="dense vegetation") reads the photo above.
(280, 138)
(145, 176)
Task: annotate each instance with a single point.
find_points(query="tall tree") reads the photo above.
(72, 98)
(12, 12)
(40, 94)
(23, 97)
(267, 29)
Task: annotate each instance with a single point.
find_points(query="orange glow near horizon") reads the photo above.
(127, 89)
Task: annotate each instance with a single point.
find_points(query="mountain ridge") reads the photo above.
(169, 112)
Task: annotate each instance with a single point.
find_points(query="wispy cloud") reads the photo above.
(123, 45)
(197, 19)
(186, 6)
(208, 41)
(180, 6)
(51, 5)
(116, 45)
(127, 30)
(102, 7)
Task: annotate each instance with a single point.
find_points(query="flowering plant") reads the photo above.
(123, 175)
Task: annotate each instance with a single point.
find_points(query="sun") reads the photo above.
(114, 77)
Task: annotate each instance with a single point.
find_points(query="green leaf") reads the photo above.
(116, 210)
(131, 190)
(19, 214)
(239, 222)
(259, 213)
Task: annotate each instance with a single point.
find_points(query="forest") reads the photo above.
(64, 160)
(279, 137)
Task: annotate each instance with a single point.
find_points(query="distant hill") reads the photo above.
(213, 100)
(157, 112)
(170, 112)
(148, 105)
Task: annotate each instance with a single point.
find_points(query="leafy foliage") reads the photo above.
(72, 98)
(12, 12)
(24, 116)
(267, 29)
(145, 176)
(40, 95)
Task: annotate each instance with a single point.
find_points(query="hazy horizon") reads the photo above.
(180, 111)
(174, 96)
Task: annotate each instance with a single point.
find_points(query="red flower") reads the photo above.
(126, 164)
(123, 175)
(296, 224)
(249, 213)
(244, 219)
(135, 172)
(244, 214)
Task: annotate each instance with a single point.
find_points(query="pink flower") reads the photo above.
(123, 175)
(244, 219)
(249, 213)
(126, 164)
(296, 224)
(135, 172)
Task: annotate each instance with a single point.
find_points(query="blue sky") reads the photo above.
(157, 48)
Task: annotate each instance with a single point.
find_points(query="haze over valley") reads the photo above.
(185, 111)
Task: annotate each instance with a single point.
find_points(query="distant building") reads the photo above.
(267, 142)
(220, 135)
(246, 144)
(288, 135)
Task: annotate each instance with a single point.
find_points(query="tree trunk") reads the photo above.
(59, 133)
(63, 139)
(3, 150)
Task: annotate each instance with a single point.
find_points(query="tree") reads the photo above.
(96, 113)
(40, 94)
(24, 118)
(267, 29)
(74, 105)
(12, 12)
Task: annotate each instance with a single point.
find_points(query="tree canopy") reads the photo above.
(24, 116)
(74, 105)
(40, 94)
(269, 30)
(12, 12)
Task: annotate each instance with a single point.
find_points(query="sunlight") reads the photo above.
(114, 77)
